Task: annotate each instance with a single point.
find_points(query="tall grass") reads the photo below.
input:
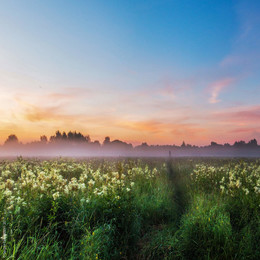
(130, 209)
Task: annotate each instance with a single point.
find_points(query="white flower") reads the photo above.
(55, 195)
(91, 183)
(4, 237)
(7, 193)
(246, 191)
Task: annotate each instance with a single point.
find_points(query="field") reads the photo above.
(130, 209)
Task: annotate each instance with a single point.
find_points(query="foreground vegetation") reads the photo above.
(130, 209)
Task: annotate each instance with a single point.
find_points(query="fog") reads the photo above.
(121, 149)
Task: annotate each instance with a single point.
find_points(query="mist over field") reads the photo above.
(78, 145)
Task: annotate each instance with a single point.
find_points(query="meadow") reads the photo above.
(124, 208)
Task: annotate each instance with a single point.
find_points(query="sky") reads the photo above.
(156, 71)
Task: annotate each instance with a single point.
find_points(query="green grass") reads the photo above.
(130, 209)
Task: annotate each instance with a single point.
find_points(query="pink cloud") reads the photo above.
(241, 115)
(245, 130)
(216, 87)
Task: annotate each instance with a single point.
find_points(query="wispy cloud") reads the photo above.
(240, 115)
(148, 126)
(34, 113)
(245, 130)
(216, 87)
(170, 129)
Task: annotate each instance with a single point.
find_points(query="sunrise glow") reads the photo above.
(158, 71)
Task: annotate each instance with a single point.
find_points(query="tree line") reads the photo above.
(77, 137)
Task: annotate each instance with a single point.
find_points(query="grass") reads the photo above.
(130, 209)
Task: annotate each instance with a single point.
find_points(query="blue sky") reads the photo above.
(155, 71)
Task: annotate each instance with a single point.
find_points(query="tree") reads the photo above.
(252, 143)
(96, 142)
(70, 136)
(58, 135)
(107, 140)
(44, 139)
(87, 138)
(64, 136)
(11, 139)
(239, 144)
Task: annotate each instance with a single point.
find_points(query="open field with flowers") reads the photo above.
(130, 209)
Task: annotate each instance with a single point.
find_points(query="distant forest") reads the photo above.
(77, 144)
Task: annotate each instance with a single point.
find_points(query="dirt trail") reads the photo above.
(178, 195)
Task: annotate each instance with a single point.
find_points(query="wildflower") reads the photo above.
(246, 191)
(4, 237)
(10, 207)
(8, 192)
(56, 195)
(91, 183)
(238, 183)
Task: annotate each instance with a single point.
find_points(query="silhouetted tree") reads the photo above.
(79, 137)
(44, 139)
(183, 144)
(120, 144)
(252, 143)
(58, 135)
(70, 136)
(87, 138)
(240, 144)
(64, 136)
(96, 142)
(107, 140)
(11, 139)
(214, 144)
